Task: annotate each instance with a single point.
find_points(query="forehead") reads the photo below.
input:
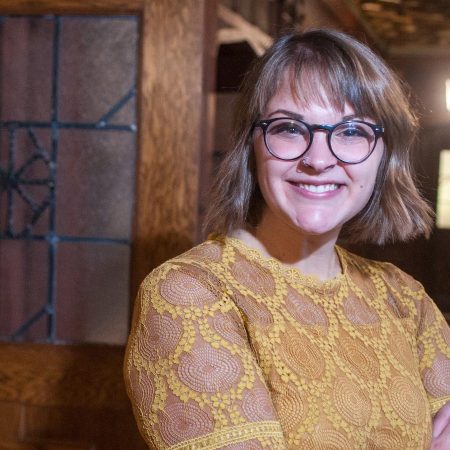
(295, 97)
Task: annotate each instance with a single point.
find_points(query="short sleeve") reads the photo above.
(433, 341)
(190, 372)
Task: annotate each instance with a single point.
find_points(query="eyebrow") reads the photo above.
(297, 116)
(287, 113)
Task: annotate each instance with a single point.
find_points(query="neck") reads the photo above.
(312, 255)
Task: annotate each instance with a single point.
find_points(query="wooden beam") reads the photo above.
(38, 7)
(257, 39)
(171, 105)
(349, 14)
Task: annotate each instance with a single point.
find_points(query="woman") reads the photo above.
(269, 335)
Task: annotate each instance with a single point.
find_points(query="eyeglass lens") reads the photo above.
(350, 141)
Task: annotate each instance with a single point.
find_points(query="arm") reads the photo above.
(190, 372)
(433, 338)
(441, 429)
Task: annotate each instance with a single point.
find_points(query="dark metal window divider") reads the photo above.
(11, 180)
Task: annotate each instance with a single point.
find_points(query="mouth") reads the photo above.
(318, 188)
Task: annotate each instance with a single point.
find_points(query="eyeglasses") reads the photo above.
(351, 141)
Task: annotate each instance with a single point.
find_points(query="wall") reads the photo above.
(426, 75)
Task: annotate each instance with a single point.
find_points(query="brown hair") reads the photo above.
(347, 71)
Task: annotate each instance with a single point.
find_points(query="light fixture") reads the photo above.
(447, 93)
(443, 191)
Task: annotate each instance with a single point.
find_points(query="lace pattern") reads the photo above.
(231, 350)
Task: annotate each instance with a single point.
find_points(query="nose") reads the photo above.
(318, 158)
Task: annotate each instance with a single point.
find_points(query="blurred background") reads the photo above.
(113, 116)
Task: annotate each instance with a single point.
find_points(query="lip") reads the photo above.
(315, 189)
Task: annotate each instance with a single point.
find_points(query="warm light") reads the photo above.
(443, 193)
(447, 93)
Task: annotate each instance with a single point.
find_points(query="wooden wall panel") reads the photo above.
(71, 6)
(8, 429)
(80, 428)
(172, 111)
(65, 397)
(53, 375)
(73, 397)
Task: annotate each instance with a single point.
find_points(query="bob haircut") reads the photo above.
(326, 65)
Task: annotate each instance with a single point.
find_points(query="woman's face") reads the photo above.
(319, 195)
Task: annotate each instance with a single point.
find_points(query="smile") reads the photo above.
(319, 189)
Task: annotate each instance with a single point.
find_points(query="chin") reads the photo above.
(315, 229)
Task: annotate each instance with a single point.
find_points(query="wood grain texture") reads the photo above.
(210, 47)
(71, 6)
(81, 429)
(14, 414)
(51, 444)
(65, 398)
(50, 375)
(171, 119)
(16, 445)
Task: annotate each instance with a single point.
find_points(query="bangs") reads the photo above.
(329, 80)
(309, 86)
(328, 77)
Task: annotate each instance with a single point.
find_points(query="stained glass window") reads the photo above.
(67, 170)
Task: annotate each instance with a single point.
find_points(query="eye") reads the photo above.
(353, 131)
(287, 129)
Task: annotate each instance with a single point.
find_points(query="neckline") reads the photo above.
(290, 272)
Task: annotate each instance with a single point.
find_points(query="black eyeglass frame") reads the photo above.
(378, 131)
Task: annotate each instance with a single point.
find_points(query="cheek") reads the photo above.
(266, 169)
(265, 178)
(368, 183)
(260, 168)
(259, 159)
(368, 176)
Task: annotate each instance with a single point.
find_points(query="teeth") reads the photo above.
(320, 188)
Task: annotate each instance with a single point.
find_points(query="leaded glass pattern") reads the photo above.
(67, 168)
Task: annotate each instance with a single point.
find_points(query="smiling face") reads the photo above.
(317, 194)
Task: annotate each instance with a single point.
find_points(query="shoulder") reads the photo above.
(202, 255)
(402, 295)
(189, 279)
(385, 271)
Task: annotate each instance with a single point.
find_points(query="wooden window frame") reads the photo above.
(173, 130)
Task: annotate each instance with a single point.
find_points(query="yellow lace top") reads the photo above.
(232, 350)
